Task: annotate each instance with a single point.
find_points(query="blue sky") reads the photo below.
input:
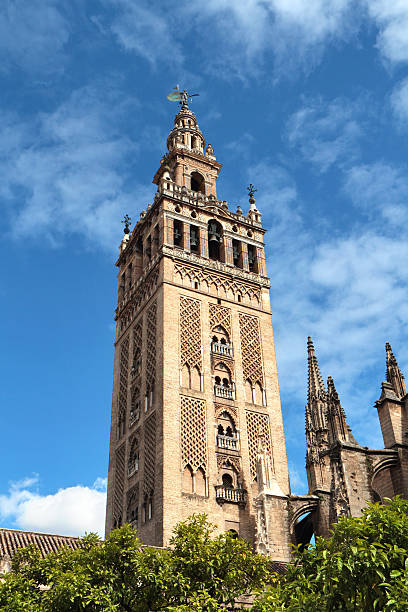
(307, 99)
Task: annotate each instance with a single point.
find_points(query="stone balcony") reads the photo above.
(218, 348)
(230, 495)
(228, 442)
(224, 392)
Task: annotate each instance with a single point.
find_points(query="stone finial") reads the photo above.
(394, 374)
(251, 190)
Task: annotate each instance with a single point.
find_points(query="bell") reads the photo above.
(194, 242)
(214, 238)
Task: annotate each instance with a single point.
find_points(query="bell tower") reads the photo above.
(195, 388)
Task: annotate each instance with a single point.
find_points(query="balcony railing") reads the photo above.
(226, 494)
(228, 442)
(218, 348)
(224, 392)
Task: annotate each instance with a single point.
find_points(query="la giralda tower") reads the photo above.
(196, 416)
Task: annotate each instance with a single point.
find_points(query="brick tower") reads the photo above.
(196, 417)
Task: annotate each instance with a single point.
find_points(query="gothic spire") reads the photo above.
(394, 374)
(336, 418)
(316, 388)
(316, 409)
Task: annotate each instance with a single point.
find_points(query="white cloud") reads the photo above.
(67, 171)
(379, 188)
(70, 511)
(399, 100)
(32, 35)
(233, 36)
(326, 133)
(349, 292)
(392, 21)
(149, 33)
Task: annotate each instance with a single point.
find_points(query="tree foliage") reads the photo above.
(201, 571)
(362, 566)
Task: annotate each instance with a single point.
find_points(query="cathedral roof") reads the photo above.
(12, 539)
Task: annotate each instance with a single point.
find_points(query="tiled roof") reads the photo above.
(12, 539)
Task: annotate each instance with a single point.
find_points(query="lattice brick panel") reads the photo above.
(219, 315)
(120, 456)
(132, 499)
(123, 379)
(137, 338)
(190, 332)
(149, 454)
(217, 282)
(257, 425)
(251, 349)
(193, 433)
(151, 344)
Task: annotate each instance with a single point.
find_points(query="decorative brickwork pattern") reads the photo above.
(229, 409)
(123, 385)
(149, 455)
(132, 501)
(219, 315)
(190, 333)
(137, 349)
(137, 297)
(217, 282)
(251, 349)
(120, 456)
(151, 344)
(193, 433)
(257, 425)
(227, 460)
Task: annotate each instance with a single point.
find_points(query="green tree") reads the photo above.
(362, 566)
(201, 571)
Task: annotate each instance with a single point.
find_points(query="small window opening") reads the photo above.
(251, 258)
(239, 297)
(236, 253)
(197, 183)
(196, 285)
(178, 233)
(220, 430)
(218, 301)
(214, 240)
(194, 239)
(227, 481)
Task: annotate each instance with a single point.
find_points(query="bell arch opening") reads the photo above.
(197, 183)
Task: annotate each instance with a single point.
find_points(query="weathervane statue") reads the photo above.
(181, 96)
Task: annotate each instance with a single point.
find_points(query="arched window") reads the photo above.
(215, 249)
(137, 362)
(194, 239)
(227, 481)
(200, 487)
(133, 464)
(197, 182)
(196, 379)
(220, 430)
(135, 406)
(188, 480)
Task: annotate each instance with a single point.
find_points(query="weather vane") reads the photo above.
(181, 96)
(251, 190)
(126, 221)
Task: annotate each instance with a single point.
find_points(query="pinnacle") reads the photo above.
(315, 381)
(393, 372)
